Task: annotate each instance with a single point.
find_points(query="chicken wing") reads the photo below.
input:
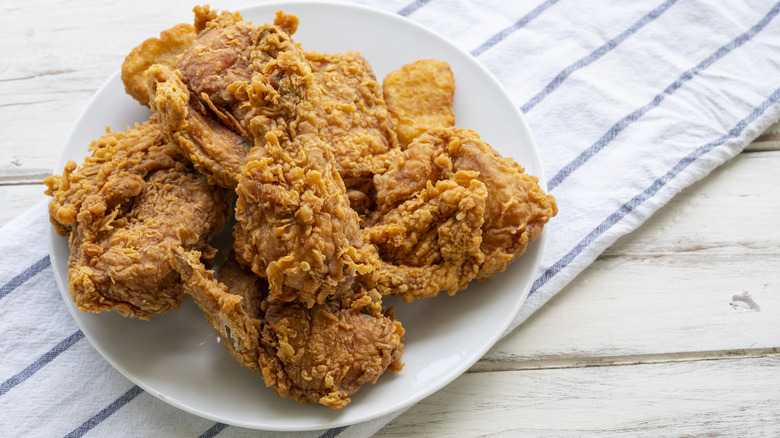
(217, 151)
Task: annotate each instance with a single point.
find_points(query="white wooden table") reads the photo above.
(674, 330)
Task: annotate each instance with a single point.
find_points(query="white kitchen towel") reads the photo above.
(629, 102)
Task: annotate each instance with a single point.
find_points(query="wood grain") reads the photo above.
(52, 65)
(702, 399)
(680, 283)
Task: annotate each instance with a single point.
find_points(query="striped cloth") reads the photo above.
(629, 101)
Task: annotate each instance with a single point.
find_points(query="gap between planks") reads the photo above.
(27, 177)
(496, 365)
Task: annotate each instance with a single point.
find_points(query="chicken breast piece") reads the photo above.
(132, 200)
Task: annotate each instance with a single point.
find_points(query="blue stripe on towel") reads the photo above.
(40, 362)
(27, 274)
(333, 433)
(519, 24)
(601, 51)
(626, 121)
(411, 7)
(117, 404)
(213, 430)
(650, 191)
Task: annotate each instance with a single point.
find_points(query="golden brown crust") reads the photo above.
(131, 200)
(346, 192)
(419, 97)
(216, 151)
(164, 50)
(358, 125)
(451, 209)
(322, 354)
(294, 223)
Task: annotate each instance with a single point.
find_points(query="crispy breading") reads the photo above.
(217, 151)
(131, 200)
(358, 124)
(451, 209)
(419, 97)
(164, 50)
(294, 223)
(219, 56)
(322, 354)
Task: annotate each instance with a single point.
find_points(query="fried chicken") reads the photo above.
(219, 56)
(191, 97)
(164, 50)
(133, 199)
(225, 56)
(419, 97)
(322, 354)
(451, 209)
(346, 191)
(358, 124)
(219, 68)
(294, 222)
(217, 151)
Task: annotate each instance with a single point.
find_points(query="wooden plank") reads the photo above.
(736, 397)
(49, 68)
(625, 308)
(16, 199)
(689, 280)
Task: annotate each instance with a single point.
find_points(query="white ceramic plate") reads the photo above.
(177, 357)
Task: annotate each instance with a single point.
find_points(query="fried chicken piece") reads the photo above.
(239, 281)
(164, 50)
(219, 56)
(452, 209)
(228, 52)
(358, 124)
(294, 223)
(322, 354)
(205, 106)
(419, 97)
(216, 150)
(431, 242)
(131, 201)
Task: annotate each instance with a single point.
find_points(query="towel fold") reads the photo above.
(629, 102)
